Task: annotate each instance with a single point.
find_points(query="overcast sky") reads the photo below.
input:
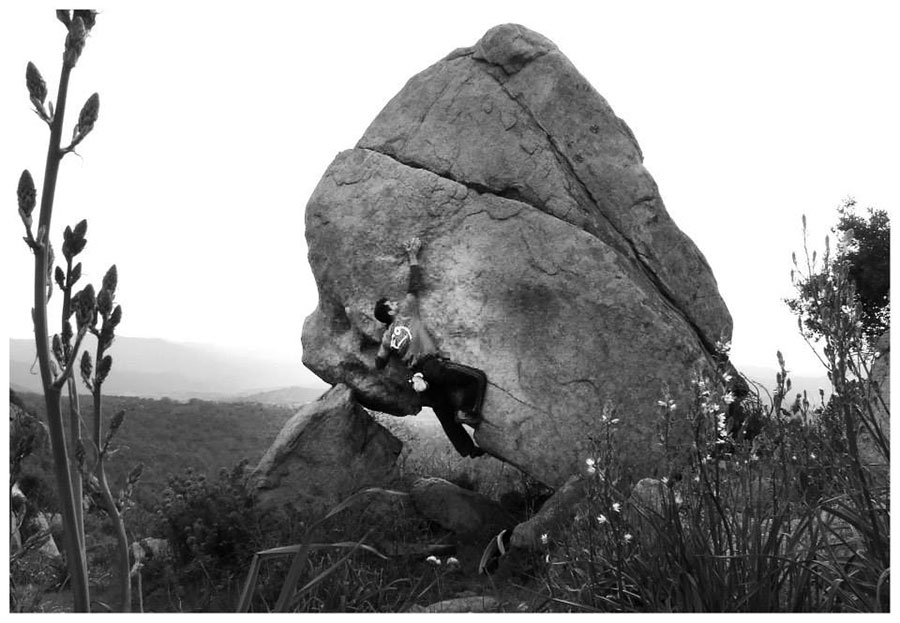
(217, 120)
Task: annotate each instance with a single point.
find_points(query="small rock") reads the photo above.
(464, 512)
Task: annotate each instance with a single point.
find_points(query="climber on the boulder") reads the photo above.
(455, 392)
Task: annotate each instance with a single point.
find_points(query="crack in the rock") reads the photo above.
(569, 168)
(513, 396)
(511, 194)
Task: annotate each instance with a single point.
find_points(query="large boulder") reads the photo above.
(550, 260)
(331, 448)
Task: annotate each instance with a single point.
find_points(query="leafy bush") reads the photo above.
(212, 527)
(788, 519)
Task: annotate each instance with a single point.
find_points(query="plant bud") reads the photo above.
(116, 316)
(60, 277)
(27, 195)
(88, 116)
(135, 474)
(80, 453)
(87, 366)
(84, 308)
(58, 349)
(111, 279)
(75, 275)
(74, 241)
(74, 41)
(88, 16)
(107, 335)
(104, 303)
(37, 88)
(67, 332)
(116, 421)
(103, 368)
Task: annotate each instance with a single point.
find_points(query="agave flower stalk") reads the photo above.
(109, 318)
(78, 25)
(42, 288)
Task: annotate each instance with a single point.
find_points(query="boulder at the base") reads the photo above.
(461, 604)
(550, 261)
(329, 449)
(464, 512)
(553, 517)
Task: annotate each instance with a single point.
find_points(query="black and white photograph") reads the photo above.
(466, 308)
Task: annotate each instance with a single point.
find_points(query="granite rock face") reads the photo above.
(327, 451)
(550, 260)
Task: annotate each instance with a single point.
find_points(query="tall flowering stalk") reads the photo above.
(58, 357)
(829, 310)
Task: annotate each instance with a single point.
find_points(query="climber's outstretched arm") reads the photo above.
(384, 351)
(416, 277)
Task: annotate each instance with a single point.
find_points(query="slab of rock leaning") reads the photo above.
(550, 260)
(328, 450)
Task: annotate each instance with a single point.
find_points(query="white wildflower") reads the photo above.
(433, 560)
(452, 562)
(614, 421)
(545, 538)
(728, 398)
(628, 537)
(617, 507)
(812, 455)
(601, 519)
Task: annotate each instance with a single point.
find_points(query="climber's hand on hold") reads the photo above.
(412, 247)
(418, 382)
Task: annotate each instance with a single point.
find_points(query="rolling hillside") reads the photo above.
(155, 368)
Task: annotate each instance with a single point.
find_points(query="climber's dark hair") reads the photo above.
(383, 311)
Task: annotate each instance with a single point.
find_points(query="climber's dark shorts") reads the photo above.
(453, 387)
(461, 386)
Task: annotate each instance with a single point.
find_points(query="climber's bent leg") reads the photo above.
(470, 384)
(463, 386)
(457, 435)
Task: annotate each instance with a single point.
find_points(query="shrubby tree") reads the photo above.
(856, 274)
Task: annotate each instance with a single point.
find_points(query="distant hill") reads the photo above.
(286, 396)
(155, 368)
(811, 384)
